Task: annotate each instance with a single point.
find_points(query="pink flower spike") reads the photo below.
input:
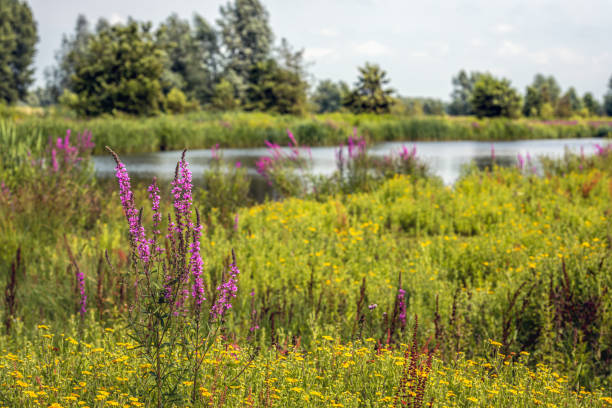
(292, 138)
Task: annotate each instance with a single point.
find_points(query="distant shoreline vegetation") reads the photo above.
(201, 130)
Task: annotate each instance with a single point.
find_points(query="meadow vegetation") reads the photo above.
(238, 129)
(372, 288)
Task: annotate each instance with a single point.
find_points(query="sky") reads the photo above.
(421, 45)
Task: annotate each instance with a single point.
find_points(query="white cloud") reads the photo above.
(540, 57)
(504, 28)
(510, 49)
(116, 18)
(477, 42)
(442, 49)
(327, 32)
(372, 48)
(317, 52)
(563, 55)
(568, 55)
(419, 54)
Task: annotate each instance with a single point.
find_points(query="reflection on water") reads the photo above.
(445, 159)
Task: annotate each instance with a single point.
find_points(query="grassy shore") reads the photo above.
(204, 130)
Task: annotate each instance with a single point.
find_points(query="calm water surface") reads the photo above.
(445, 159)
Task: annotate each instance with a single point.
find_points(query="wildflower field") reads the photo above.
(364, 291)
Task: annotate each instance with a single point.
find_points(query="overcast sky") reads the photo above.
(421, 44)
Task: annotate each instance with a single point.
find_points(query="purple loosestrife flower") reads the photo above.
(236, 222)
(83, 302)
(372, 306)
(340, 157)
(214, 151)
(492, 152)
(401, 298)
(521, 161)
(137, 232)
(195, 265)
(54, 160)
(406, 154)
(293, 145)
(227, 290)
(157, 217)
(181, 191)
(85, 140)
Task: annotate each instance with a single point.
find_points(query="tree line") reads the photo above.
(185, 65)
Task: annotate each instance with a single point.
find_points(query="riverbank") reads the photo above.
(203, 130)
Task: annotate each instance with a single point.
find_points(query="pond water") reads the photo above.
(445, 159)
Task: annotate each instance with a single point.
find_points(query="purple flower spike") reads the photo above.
(83, 302)
(195, 263)
(521, 161)
(401, 298)
(227, 290)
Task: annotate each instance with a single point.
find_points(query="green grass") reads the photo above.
(204, 130)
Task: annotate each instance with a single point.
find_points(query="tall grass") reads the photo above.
(204, 130)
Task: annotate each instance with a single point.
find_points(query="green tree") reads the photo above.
(18, 37)
(569, 104)
(494, 97)
(563, 109)
(591, 104)
(422, 106)
(543, 90)
(462, 93)
(548, 88)
(328, 96)
(247, 40)
(574, 99)
(607, 106)
(192, 56)
(370, 94)
(71, 50)
(224, 96)
(275, 89)
(120, 70)
(532, 106)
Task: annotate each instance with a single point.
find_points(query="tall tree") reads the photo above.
(247, 40)
(370, 93)
(328, 96)
(463, 85)
(66, 58)
(532, 105)
(548, 88)
(542, 96)
(275, 89)
(18, 37)
(290, 59)
(191, 62)
(608, 99)
(569, 104)
(494, 97)
(591, 104)
(119, 70)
